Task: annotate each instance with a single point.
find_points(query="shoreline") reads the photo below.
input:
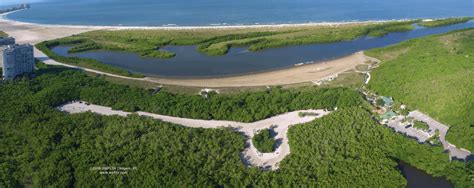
(31, 33)
(302, 74)
(34, 33)
(3, 17)
(293, 75)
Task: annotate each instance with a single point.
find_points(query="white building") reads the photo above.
(16, 59)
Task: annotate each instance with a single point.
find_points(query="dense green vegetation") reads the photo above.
(385, 29)
(244, 106)
(212, 42)
(347, 146)
(421, 125)
(264, 141)
(443, 22)
(436, 80)
(46, 46)
(218, 41)
(41, 146)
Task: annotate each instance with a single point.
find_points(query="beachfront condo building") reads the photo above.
(7, 41)
(16, 60)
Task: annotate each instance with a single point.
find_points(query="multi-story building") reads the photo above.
(16, 59)
(7, 41)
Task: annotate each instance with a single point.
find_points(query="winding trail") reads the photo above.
(250, 155)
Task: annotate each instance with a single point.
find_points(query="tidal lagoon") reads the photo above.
(188, 62)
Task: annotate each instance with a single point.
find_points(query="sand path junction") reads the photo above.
(280, 125)
(35, 33)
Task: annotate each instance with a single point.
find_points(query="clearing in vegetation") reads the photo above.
(437, 80)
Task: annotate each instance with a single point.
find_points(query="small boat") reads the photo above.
(299, 64)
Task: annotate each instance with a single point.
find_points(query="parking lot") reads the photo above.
(454, 152)
(398, 126)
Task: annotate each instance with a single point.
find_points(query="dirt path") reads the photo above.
(250, 155)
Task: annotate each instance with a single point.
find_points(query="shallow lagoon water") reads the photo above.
(190, 63)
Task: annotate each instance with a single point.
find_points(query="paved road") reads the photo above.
(281, 124)
(398, 126)
(443, 130)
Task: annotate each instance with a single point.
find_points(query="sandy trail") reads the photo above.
(35, 33)
(251, 156)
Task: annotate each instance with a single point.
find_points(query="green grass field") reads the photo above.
(435, 75)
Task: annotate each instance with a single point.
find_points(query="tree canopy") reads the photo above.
(41, 146)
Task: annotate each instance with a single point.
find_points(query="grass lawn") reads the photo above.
(434, 74)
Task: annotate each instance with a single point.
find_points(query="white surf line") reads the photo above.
(280, 124)
(175, 27)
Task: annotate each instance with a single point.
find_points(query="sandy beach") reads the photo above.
(35, 33)
(175, 27)
(305, 73)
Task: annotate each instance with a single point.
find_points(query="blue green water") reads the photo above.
(234, 12)
(190, 63)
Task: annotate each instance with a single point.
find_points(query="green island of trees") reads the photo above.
(41, 146)
(264, 141)
(421, 125)
(436, 80)
(443, 22)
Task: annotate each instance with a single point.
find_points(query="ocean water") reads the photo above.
(234, 12)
